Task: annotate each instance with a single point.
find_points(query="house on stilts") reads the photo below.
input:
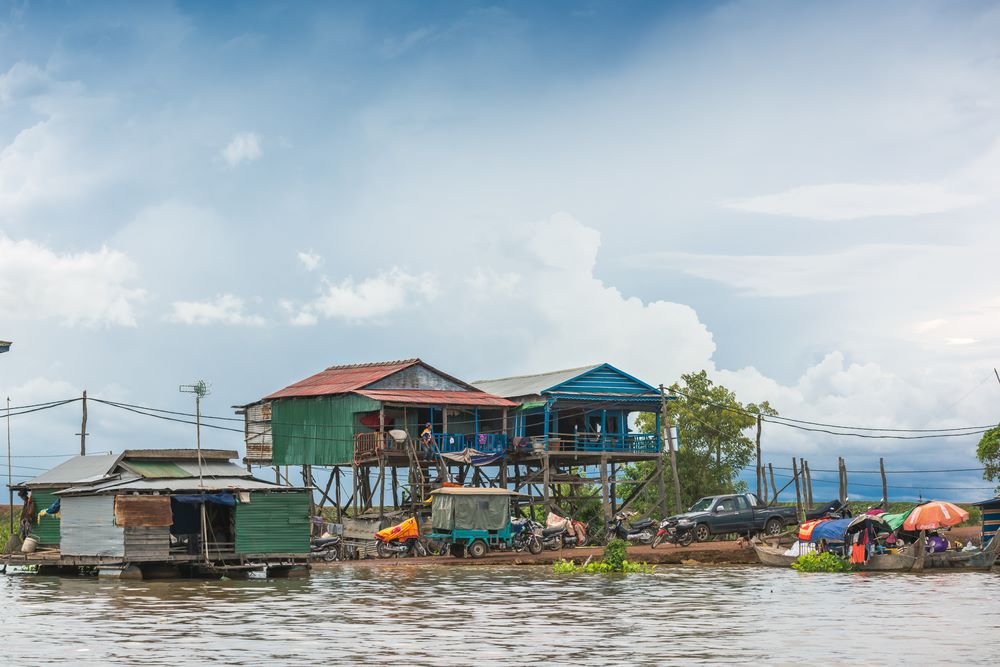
(368, 421)
(574, 421)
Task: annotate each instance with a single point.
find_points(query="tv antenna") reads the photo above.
(200, 389)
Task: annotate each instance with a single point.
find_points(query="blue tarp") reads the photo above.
(831, 531)
(217, 498)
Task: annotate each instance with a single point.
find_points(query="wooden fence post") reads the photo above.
(760, 468)
(798, 492)
(885, 486)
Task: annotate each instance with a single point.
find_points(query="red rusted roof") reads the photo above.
(436, 397)
(342, 379)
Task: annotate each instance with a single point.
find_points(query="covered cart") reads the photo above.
(471, 520)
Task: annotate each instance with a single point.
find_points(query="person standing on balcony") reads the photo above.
(427, 438)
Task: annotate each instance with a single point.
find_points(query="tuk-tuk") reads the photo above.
(471, 520)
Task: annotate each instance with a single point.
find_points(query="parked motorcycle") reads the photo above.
(573, 533)
(832, 510)
(400, 540)
(672, 533)
(326, 548)
(524, 536)
(641, 531)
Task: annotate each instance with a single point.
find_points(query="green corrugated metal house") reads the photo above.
(146, 506)
(325, 418)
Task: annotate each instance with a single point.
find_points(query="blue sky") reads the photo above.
(799, 198)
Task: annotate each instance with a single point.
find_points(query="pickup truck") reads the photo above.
(742, 513)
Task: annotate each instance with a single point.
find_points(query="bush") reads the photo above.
(824, 562)
(615, 560)
(615, 554)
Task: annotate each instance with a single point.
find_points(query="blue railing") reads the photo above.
(488, 443)
(641, 443)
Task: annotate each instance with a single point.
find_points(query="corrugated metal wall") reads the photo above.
(47, 530)
(273, 523)
(302, 432)
(88, 527)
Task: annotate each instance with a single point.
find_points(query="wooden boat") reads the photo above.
(911, 560)
(980, 559)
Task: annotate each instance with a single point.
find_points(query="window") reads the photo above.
(742, 503)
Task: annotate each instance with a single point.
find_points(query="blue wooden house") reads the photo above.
(584, 409)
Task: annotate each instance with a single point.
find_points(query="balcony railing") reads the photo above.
(487, 443)
(631, 443)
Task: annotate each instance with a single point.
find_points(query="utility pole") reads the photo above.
(200, 390)
(83, 427)
(760, 466)
(10, 474)
(672, 451)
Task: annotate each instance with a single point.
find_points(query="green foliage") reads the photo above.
(616, 553)
(824, 562)
(615, 560)
(715, 434)
(988, 452)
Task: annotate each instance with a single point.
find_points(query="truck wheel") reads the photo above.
(772, 527)
(702, 532)
(478, 549)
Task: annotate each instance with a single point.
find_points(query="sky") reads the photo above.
(799, 198)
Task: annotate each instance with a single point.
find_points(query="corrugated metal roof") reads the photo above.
(342, 379)
(175, 455)
(78, 470)
(214, 469)
(433, 397)
(530, 385)
(155, 469)
(187, 484)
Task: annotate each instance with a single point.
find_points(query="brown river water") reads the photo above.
(515, 615)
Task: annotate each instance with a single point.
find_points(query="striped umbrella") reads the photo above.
(935, 514)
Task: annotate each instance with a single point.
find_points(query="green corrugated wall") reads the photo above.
(273, 523)
(47, 530)
(316, 431)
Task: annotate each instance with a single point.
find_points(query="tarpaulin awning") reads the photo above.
(216, 498)
(473, 457)
(895, 521)
(831, 531)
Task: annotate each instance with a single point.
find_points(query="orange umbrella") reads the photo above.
(933, 515)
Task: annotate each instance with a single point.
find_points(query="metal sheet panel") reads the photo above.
(77, 470)
(143, 511)
(341, 379)
(529, 385)
(46, 530)
(316, 431)
(88, 527)
(273, 523)
(156, 469)
(431, 397)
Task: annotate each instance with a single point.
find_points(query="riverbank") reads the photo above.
(701, 553)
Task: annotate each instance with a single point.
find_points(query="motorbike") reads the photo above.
(524, 536)
(641, 531)
(562, 532)
(833, 510)
(326, 548)
(400, 540)
(672, 533)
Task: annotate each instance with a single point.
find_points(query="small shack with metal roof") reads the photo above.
(181, 507)
(991, 518)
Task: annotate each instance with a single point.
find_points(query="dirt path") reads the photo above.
(707, 552)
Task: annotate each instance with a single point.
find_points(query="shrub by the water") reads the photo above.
(824, 562)
(615, 560)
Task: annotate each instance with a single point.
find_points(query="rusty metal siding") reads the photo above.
(46, 530)
(147, 543)
(273, 523)
(88, 527)
(143, 511)
(316, 431)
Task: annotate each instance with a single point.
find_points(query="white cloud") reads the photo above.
(849, 201)
(244, 147)
(310, 260)
(961, 341)
(929, 325)
(371, 299)
(90, 288)
(224, 309)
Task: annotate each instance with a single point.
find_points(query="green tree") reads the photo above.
(988, 452)
(715, 442)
